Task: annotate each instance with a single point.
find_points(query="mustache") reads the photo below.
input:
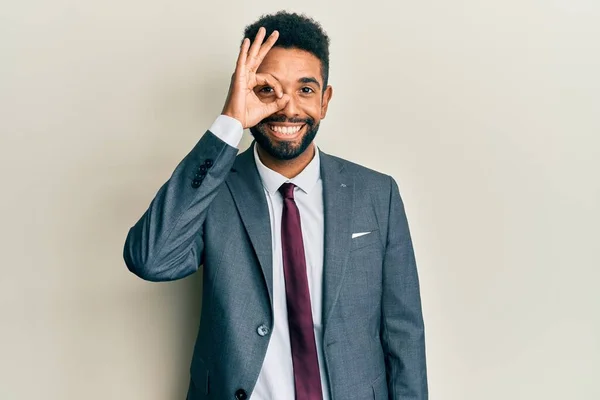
(282, 118)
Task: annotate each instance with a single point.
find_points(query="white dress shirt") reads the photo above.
(276, 378)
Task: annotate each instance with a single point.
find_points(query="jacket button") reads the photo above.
(240, 394)
(196, 184)
(208, 163)
(202, 169)
(263, 330)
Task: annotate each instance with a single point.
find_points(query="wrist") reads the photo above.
(233, 115)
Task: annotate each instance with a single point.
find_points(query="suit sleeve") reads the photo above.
(402, 328)
(167, 242)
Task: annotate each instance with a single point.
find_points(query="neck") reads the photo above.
(287, 168)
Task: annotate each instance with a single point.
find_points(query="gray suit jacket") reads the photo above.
(212, 212)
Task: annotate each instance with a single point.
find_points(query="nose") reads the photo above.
(291, 108)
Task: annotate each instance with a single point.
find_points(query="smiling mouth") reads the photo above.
(286, 131)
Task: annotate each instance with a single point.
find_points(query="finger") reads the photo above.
(241, 61)
(260, 35)
(268, 45)
(269, 80)
(277, 105)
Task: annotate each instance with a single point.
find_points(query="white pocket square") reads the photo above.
(359, 234)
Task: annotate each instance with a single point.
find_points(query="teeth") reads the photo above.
(286, 130)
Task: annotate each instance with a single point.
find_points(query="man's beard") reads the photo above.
(284, 150)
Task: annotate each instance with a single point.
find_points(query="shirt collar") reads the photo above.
(305, 180)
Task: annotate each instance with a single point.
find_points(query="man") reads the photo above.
(310, 287)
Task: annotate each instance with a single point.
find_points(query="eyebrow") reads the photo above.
(310, 79)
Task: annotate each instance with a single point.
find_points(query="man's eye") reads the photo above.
(307, 90)
(267, 89)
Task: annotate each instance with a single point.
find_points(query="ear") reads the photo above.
(325, 102)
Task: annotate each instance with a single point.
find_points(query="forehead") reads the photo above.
(291, 64)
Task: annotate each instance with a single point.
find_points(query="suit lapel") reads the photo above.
(338, 196)
(246, 188)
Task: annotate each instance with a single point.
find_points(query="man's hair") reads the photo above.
(296, 31)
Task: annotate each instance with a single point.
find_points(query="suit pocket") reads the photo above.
(380, 391)
(365, 240)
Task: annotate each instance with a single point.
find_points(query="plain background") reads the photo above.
(486, 112)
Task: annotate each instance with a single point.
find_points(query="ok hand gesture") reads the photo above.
(242, 102)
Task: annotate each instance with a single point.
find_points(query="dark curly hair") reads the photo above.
(296, 31)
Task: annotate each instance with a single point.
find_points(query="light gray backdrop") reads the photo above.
(486, 112)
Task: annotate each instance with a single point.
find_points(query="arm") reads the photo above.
(402, 320)
(166, 243)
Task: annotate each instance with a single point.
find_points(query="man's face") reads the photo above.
(288, 133)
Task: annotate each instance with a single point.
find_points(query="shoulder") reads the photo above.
(363, 176)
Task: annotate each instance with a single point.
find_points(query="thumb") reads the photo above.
(278, 104)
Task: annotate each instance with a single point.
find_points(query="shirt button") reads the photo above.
(263, 330)
(240, 394)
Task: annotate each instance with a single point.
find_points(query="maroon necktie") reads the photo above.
(304, 350)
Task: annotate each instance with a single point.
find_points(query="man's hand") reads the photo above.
(242, 103)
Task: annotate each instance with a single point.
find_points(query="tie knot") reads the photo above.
(287, 190)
